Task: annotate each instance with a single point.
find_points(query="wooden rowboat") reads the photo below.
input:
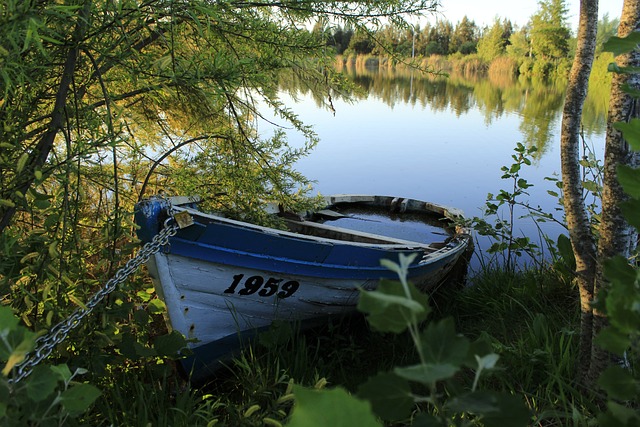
(223, 280)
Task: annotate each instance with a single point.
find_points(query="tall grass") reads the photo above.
(143, 396)
(502, 67)
(468, 65)
(435, 62)
(254, 389)
(531, 319)
(367, 61)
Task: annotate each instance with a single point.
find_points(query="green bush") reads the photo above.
(542, 69)
(526, 67)
(49, 395)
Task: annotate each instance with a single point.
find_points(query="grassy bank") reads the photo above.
(473, 65)
(530, 319)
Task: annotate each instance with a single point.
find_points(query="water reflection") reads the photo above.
(438, 139)
(539, 103)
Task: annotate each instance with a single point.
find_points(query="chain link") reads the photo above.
(46, 343)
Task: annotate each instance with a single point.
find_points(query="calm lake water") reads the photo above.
(441, 140)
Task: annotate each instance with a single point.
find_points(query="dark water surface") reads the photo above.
(405, 226)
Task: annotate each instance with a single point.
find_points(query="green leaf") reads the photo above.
(619, 383)
(170, 344)
(390, 396)
(384, 301)
(487, 362)
(63, 372)
(425, 419)
(622, 299)
(611, 339)
(522, 183)
(402, 267)
(628, 89)
(629, 178)
(142, 350)
(428, 373)
(15, 349)
(7, 202)
(279, 333)
(565, 249)
(630, 131)
(480, 347)
(51, 220)
(590, 186)
(41, 383)
(441, 344)
(476, 402)
(8, 321)
(22, 162)
(620, 45)
(617, 269)
(132, 349)
(631, 211)
(618, 415)
(388, 308)
(143, 295)
(393, 266)
(42, 204)
(141, 317)
(615, 68)
(78, 398)
(607, 419)
(156, 306)
(335, 408)
(496, 409)
(5, 391)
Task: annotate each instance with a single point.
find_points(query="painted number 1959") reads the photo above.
(257, 284)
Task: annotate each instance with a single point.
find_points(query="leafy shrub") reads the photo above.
(50, 395)
(413, 395)
(526, 67)
(542, 69)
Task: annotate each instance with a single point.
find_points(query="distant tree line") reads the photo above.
(546, 38)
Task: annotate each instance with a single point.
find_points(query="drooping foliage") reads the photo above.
(106, 101)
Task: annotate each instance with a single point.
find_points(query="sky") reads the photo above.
(483, 12)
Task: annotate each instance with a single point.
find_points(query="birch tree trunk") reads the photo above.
(578, 223)
(616, 236)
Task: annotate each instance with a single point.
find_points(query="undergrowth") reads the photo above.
(531, 318)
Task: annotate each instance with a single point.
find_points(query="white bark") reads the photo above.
(578, 223)
(616, 235)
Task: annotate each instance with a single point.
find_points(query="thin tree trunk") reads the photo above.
(39, 155)
(616, 235)
(37, 158)
(578, 222)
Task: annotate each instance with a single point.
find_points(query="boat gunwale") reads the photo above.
(449, 244)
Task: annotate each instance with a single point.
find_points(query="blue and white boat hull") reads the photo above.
(222, 280)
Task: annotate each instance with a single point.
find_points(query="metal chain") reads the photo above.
(46, 343)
